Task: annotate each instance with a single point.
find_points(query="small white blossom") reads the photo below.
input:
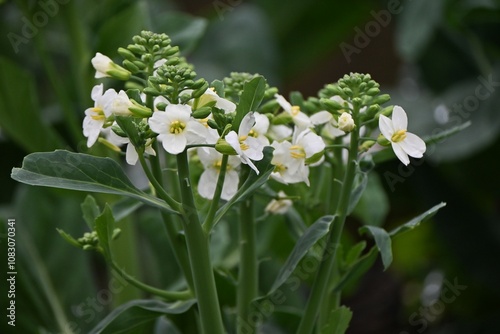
(290, 158)
(176, 128)
(260, 128)
(247, 147)
(331, 128)
(299, 118)
(403, 143)
(96, 116)
(280, 205)
(120, 104)
(212, 161)
(105, 67)
(221, 103)
(346, 123)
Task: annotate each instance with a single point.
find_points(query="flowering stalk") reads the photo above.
(320, 284)
(248, 270)
(199, 254)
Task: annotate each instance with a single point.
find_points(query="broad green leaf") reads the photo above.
(252, 183)
(315, 232)
(20, 115)
(133, 316)
(338, 321)
(82, 172)
(417, 220)
(250, 99)
(359, 268)
(90, 211)
(104, 228)
(383, 242)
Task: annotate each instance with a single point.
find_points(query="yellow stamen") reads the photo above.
(244, 146)
(99, 116)
(295, 110)
(177, 127)
(280, 168)
(297, 152)
(252, 133)
(398, 136)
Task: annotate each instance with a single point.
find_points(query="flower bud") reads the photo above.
(346, 123)
(224, 147)
(201, 113)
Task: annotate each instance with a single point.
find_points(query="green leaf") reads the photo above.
(69, 238)
(104, 228)
(252, 183)
(20, 115)
(133, 316)
(82, 172)
(125, 207)
(90, 211)
(354, 253)
(383, 242)
(315, 232)
(338, 321)
(128, 125)
(417, 220)
(359, 268)
(251, 97)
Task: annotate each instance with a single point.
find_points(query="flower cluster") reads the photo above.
(165, 104)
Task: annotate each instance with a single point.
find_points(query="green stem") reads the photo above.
(168, 295)
(158, 187)
(248, 270)
(209, 221)
(199, 254)
(320, 284)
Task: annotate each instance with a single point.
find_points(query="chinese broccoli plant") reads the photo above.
(234, 147)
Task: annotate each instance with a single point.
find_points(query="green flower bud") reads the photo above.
(161, 106)
(283, 118)
(202, 112)
(381, 99)
(118, 72)
(366, 145)
(139, 110)
(223, 147)
(373, 91)
(314, 158)
(127, 54)
(330, 105)
(381, 140)
(213, 124)
(130, 66)
(200, 91)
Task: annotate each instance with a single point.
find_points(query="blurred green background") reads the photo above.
(439, 59)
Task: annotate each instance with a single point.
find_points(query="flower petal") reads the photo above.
(399, 118)
(131, 155)
(230, 186)
(386, 127)
(233, 140)
(400, 153)
(207, 183)
(246, 124)
(413, 145)
(283, 103)
(174, 144)
(321, 117)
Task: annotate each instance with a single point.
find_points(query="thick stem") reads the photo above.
(199, 255)
(248, 269)
(209, 221)
(320, 284)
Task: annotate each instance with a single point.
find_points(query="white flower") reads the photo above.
(105, 67)
(96, 116)
(346, 123)
(331, 128)
(176, 128)
(290, 158)
(279, 132)
(279, 206)
(212, 160)
(403, 143)
(247, 147)
(221, 103)
(260, 128)
(120, 104)
(299, 118)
